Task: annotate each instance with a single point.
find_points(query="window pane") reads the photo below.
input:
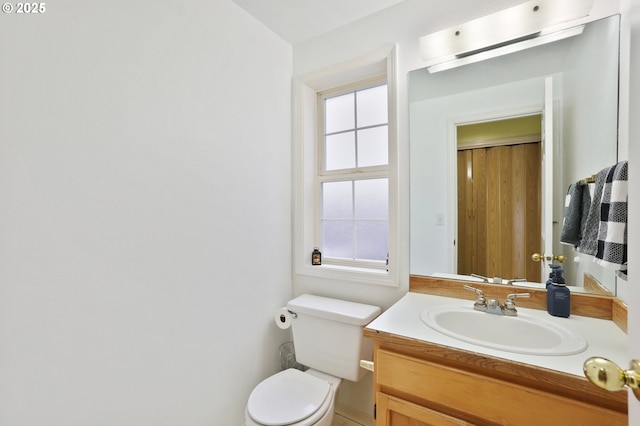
(337, 200)
(372, 106)
(339, 113)
(354, 209)
(372, 199)
(373, 147)
(372, 240)
(340, 151)
(337, 239)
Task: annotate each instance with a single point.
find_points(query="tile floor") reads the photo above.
(339, 420)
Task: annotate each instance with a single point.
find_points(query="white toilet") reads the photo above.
(327, 334)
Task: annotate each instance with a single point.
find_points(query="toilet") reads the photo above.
(327, 335)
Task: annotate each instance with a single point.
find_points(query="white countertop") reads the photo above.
(604, 337)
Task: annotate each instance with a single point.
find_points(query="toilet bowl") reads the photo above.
(327, 334)
(293, 398)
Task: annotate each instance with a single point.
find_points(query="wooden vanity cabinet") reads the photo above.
(419, 384)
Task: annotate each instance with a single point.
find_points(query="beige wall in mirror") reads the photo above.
(583, 72)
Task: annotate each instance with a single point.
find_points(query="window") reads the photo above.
(346, 175)
(352, 181)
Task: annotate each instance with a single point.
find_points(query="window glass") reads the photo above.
(340, 151)
(354, 214)
(371, 199)
(339, 113)
(373, 147)
(355, 219)
(372, 106)
(356, 130)
(337, 200)
(371, 240)
(337, 239)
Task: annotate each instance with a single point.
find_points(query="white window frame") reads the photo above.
(342, 175)
(306, 190)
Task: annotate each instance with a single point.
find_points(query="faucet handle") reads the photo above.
(479, 292)
(510, 304)
(484, 279)
(510, 297)
(481, 302)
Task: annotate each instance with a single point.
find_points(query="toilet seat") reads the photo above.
(289, 396)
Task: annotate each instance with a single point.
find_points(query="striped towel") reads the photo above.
(612, 232)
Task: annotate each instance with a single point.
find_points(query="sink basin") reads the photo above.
(522, 334)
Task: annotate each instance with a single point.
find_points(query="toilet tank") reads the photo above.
(327, 334)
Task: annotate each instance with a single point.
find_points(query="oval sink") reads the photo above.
(522, 334)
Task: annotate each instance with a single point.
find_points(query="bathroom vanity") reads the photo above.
(425, 377)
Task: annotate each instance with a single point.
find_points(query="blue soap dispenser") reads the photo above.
(558, 296)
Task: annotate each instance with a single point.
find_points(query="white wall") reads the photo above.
(145, 225)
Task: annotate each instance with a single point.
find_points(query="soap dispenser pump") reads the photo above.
(552, 274)
(558, 296)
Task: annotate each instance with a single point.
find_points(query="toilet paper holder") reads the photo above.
(283, 318)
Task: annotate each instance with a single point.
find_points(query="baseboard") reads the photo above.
(354, 415)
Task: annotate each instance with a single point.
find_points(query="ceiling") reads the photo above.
(300, 20)
(297, 21)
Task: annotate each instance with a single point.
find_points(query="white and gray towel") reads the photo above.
(612, 231)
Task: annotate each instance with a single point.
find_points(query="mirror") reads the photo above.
(583, 74)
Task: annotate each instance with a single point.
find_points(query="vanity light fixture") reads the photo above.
(537, 40)
(529, 24)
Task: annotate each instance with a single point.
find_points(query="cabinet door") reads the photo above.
(481, 398)
(392, 411)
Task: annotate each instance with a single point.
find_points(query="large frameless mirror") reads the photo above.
(484, 122)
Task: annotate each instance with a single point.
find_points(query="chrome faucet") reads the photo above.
(493, 306)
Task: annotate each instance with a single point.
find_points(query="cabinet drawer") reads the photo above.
(393, 411)
(482, 399)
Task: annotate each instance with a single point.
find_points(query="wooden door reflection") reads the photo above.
(499, 201)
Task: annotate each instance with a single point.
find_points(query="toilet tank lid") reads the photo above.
(334, 309)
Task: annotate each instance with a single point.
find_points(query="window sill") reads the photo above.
(350, 273)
